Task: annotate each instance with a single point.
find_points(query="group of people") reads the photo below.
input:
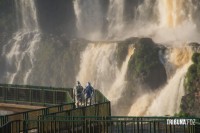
(83, 95)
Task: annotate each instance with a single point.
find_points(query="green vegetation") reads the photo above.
(182, 114)
(193, 75)
(189, 103)
(146, 57)
(145, 65)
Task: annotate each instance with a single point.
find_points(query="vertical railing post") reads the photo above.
(138, 128)
(38, 125)
(30, 95)
(19, 125)
(42, 95)
(170, 128)
(166, 126)
(4, 93)
(85, 126)
(89, 126)
(154, 127)
(25, 129)
(109, 108)
(141, 125)
(150, 126)
(6, 89)
(54, 98)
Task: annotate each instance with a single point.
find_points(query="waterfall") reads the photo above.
(174, 17)
(98, 65)
(166, 101)
(175, 12)
(162, 20)
(21, 47)
(115, 18)
(57, 62)
(27, 12)
(89, 18)
(119, 84)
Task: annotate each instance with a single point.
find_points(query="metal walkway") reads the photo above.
(61, 116)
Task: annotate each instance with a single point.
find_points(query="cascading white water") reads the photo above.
(175, 12)
(164, 102)
(176, 16)
(89, 18)
(115, 18)
(162, 20)
(98, 65)
(167, 100)
(119, 84)
(169, 19)
(24, 42)
(99, 60)
(27, 11)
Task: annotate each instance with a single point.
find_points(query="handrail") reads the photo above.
(100, 106)
(34, 95)
(93, 124)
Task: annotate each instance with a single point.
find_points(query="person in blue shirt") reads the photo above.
(89, 90)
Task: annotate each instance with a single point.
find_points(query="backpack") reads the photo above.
(79, 90)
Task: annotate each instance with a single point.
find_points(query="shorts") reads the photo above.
(79, 97)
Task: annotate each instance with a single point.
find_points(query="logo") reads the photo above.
(180, 121)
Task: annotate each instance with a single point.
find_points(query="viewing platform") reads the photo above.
(53, 110)
(16, 108)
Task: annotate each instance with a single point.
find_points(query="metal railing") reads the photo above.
(55, 100)
(33, 114)
(115, 124)
(95, 118)
(46, 96)
(11, 127)
(34, 95)
(110, 124)
(100, 107)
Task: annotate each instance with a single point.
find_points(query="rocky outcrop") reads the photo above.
(145, 65)
(190, 104)
(122, 49)
(191, 101)
(145, 70)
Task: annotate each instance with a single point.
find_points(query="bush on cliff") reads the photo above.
(193, 75)
(189, 103)
(145, 66)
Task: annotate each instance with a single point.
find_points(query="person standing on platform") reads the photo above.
(89, 91)
(79, 94)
